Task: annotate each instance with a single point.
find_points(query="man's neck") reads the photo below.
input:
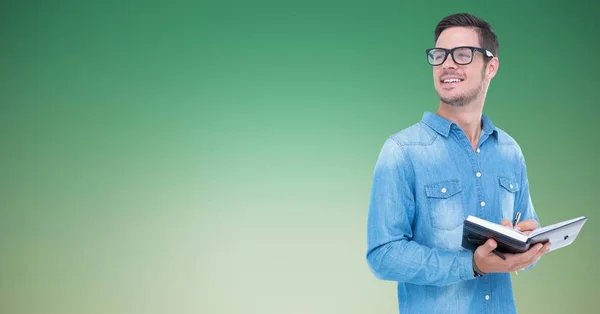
(467, 117)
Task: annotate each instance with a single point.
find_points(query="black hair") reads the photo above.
(487, 38)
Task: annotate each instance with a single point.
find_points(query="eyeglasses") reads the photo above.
(461, 55)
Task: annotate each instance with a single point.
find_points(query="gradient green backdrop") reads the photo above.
(216, 156)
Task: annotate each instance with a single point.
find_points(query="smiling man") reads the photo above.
(429, 177)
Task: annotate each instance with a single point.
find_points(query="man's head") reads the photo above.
(461, 76)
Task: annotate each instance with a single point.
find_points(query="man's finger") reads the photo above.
(545, 249)
(529, 255)
(525, 257)
(488, 247)
(529, 224)
(533, 259)
(506, 223)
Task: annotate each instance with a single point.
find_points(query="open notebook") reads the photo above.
(476, 231)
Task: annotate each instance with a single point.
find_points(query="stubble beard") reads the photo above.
(466, 97)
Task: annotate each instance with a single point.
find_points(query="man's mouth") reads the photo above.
(451, 82)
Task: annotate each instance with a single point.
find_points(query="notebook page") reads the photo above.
(551, 227)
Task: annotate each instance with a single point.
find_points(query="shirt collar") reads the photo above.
(443, 126)
(488, 127)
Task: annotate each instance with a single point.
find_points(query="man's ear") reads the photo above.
(492, 68)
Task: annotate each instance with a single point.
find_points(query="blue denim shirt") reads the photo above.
(427, 180)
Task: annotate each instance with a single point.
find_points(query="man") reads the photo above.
(432, 175)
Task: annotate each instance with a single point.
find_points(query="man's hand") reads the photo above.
(489, 262)
(525, 226)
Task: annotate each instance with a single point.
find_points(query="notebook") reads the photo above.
(477, 231)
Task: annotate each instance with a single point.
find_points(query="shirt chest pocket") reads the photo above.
(445, 204)
(508, 189)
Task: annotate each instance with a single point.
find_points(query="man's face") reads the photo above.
(470, 77)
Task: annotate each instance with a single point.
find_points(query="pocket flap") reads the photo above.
(443, 189)
(509, 184)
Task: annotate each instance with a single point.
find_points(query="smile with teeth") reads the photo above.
(452, 80)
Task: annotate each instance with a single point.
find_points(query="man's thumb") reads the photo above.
(490, 245)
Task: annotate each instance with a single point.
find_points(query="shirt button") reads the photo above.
(482, 204)
(478, 174)
(444, 190)
(478, 150)
(487, 296)
(511, 186)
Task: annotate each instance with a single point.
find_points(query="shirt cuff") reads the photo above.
(465, 258)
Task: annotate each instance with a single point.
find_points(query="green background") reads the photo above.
(216, 156)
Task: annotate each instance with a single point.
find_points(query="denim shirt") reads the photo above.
(427, 180)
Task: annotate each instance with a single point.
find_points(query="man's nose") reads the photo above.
(449, 63)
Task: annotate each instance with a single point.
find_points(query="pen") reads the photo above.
(499, 254)
(516, 220)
